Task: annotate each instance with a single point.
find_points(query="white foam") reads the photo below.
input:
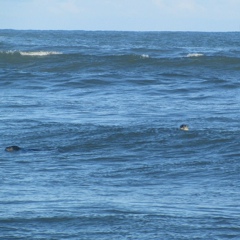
(195, 55)
(39, 53)
(145, 56)
(8, 52)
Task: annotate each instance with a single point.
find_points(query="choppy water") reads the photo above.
(103, 110)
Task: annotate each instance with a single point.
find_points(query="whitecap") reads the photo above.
(195, 55)
(145, 56)
(39, 53)
(10, 52)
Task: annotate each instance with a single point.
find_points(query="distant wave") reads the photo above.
(195, 55)
(144, 56)
(33, 53)
(40, 53)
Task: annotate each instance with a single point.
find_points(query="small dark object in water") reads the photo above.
(12, 148)
(184, 127)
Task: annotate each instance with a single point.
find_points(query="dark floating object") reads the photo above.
(12, 148)
(184, 127)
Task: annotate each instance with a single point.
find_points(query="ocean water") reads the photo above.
(98, 114)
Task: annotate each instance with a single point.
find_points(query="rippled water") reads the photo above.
(98, 114)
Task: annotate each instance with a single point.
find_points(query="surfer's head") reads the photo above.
(184, 127)
(12, 148)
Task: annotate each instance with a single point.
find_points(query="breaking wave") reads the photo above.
(195, 55)
(31, 53)
(144, 56)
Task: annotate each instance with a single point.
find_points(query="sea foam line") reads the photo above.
(195, 55)
(39, 53)
(33, 53)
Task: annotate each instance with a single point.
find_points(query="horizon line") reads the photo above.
(98, 30)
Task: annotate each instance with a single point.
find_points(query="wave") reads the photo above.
(40, 53)
(195, 55)
(145, 56)
(30, 53)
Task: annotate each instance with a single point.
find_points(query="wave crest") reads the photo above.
(195, 55)
(145, 56)
(39, 53)
(33, 53)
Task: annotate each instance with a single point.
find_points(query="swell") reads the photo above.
(28, 53)
(75, 61)
(149, 141)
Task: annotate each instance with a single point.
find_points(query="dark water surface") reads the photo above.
(103, 109)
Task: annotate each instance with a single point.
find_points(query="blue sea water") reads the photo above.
(103, 111)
